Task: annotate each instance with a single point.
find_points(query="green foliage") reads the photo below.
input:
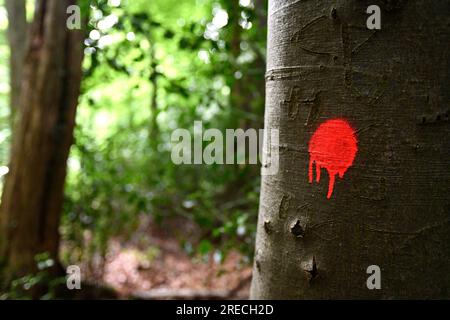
(168, 63)
(117, 170)
(41, 284)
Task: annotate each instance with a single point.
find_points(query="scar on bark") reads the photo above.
(312, 270)
(292, 103)
(314, 109)
(296, 35)
(393, 5)
(284, 206)
(333, 13)
(258, 260)
(267, 227)
(358, 47)
(345, 38)
(258, 265)
(297, 229)
(438, 117)
(364, 129)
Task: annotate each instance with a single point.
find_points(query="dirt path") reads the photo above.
(153, 262)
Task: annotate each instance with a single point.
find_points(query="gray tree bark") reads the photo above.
(17, 36)
(392, 206)
(33, 191)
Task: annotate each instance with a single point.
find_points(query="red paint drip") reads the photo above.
(333, 146)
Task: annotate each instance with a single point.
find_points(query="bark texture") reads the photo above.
(17, 36)
(33, 192)
(392, 207)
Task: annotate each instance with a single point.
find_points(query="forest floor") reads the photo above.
(154, 265)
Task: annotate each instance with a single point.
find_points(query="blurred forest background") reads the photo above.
(132, 220)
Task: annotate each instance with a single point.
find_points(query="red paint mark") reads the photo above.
(333, 146)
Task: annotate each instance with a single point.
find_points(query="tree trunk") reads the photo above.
(154, 109)
(17, 36)
(33, 192)
(391, 208)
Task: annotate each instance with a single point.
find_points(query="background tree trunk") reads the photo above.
(17, 36)
(33, 191)
(392, 207)
(154, 108)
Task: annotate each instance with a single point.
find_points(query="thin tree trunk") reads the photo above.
(391, 208)
(154, 110)
(33, 192)
(260, 61)
(233, 37)
(17, 36)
